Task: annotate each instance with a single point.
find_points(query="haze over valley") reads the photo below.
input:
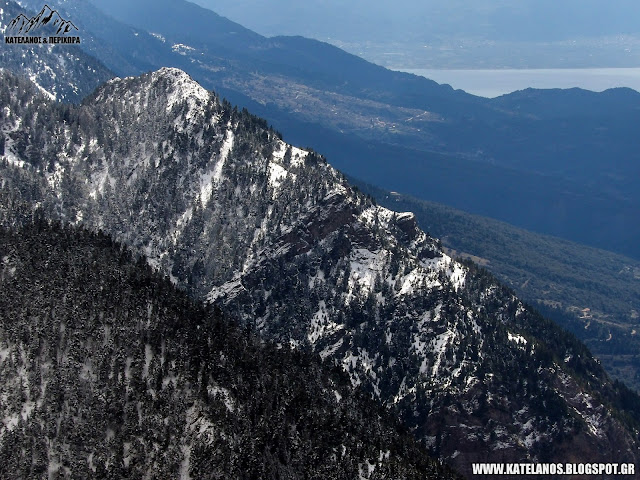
(459, 34)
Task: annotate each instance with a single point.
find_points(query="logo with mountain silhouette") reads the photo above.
(22, 29)
(22, 25)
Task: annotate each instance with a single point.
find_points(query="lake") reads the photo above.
(492, 83)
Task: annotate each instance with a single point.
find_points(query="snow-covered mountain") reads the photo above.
(277, 238)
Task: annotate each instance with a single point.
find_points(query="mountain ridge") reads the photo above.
(592, 293)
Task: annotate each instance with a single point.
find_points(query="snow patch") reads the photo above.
(184, 88)
(182, 49)
(34, 80)
(277, 175)
(319, 277)
(377, 215)
(280, 151)
(86, 372)
(224, 395)
(519, 339)
(297, 155)
(159, 37)
(209, 179)
(365, 474)
(454, 271)
(181, 224)
(228, 289)
(331, 349)
(206, 187)
(148, 356)
(185, 464)
(321, 325)
(55, 178)
(366, 266)
(4, 353)
(439, 348)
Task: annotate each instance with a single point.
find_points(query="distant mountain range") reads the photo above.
(427, 21)
(492, 34)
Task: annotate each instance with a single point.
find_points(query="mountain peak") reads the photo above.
(172, 86)
(172, 72)
(182, 87)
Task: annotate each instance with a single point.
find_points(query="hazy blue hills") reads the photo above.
(457, 33)
(194, 24)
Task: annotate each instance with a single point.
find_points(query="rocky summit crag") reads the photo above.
(278, 239)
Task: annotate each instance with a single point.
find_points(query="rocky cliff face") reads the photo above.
(276, 237)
